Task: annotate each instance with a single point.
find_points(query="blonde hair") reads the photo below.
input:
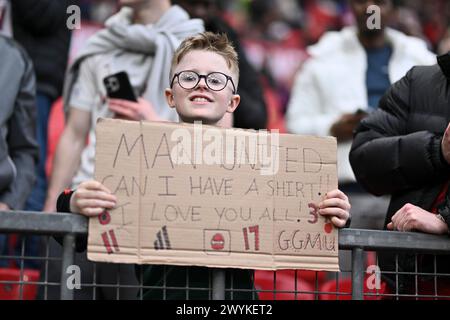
(208, 41)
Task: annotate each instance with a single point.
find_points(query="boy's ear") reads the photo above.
(169, 97)
(234, 102)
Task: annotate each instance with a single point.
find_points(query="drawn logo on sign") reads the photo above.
(106, 237)
(162, 241)
(104, 218)
(217, 242)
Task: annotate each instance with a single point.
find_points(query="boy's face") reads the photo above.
(201, 103)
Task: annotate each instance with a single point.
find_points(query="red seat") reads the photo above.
(286, 286)
(342, 290)
(10, 284)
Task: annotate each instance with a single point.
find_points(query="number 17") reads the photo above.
(255, 230)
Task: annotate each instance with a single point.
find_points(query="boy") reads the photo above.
(204, 78)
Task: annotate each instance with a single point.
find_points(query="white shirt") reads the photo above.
(333, 82)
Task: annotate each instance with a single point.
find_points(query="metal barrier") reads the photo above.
(291, 284)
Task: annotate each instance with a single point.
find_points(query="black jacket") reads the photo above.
(251, 112)
(18, 147)
(397, 149)
(40, 27)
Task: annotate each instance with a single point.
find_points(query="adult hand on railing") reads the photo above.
(4, 207)
(336, 207)
(92, 198)
(413, 218)
(445, 144)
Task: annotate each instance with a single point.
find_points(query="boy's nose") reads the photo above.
(202, 83)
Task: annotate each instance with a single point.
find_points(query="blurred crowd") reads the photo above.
(287, 81)
(276, 33)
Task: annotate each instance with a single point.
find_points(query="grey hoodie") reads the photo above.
(159, 40)
(18, 146)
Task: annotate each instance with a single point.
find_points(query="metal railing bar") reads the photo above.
(388, 240)
(42, 223)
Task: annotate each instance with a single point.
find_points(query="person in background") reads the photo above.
(18, 146)
(140, 39)
(343, 80)
(403, 150)
(40, 27)
(252, 113)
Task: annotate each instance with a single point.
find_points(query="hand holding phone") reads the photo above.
(129, 110)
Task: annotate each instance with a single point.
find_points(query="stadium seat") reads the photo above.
(342, 290)
(286, 286)
(10, 284)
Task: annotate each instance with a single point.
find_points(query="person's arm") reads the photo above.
(41, 17)
(22, 144)
(68, 154)
(137, 111)
(385, 157)
(82, 99)
(306, 112)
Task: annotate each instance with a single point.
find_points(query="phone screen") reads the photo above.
(118, 86)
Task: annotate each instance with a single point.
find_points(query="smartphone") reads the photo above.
(118, 86)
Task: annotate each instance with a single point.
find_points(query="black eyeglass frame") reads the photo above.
(204, 76)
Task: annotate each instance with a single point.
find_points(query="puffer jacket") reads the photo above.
(18, 146)
(397, 149)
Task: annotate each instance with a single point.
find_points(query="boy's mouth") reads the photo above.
(200, 98)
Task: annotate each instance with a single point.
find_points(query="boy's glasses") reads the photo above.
(216, 81)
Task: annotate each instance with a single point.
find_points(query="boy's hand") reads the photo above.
(4, 207)
(336, 207)
(91, 199)
(129, 110)
(413, 218)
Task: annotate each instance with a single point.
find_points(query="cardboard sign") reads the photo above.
(204, 196)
